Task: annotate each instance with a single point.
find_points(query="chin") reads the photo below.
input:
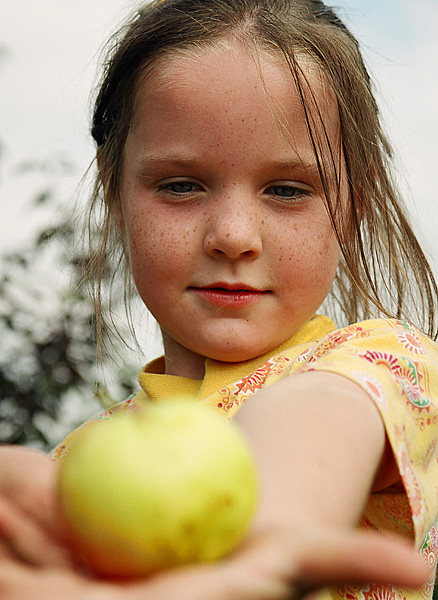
(230, 353)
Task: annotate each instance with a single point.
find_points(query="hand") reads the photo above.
(271, 566)
(31, 527)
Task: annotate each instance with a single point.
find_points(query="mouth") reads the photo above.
(226, 295)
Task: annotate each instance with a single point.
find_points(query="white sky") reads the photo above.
(49, 68)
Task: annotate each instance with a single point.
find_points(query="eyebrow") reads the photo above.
(177, 160)
(173, 159)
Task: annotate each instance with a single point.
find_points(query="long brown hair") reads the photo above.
(383, 270)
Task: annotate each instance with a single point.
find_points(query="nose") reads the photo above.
(233, 229)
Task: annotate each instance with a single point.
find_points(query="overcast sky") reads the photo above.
(48, 69)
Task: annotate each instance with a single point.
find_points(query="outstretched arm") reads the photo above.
(320, 446)
(319, 443)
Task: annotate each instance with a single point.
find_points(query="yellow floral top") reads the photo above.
(395, 364)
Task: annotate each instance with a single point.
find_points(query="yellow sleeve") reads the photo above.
(398, 367)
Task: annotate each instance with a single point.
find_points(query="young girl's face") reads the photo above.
(230, 244)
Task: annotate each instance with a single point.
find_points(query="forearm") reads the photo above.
(319, 441)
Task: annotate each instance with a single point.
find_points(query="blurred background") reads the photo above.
(49, 51)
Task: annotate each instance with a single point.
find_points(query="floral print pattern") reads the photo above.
(235, 395)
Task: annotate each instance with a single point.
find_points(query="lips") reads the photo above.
(224, 295)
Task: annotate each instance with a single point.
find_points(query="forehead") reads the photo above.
(247, 86)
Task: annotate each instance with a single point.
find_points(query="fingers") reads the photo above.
(28, 480)
(22, 582)
(360, 558)
(261, 571)
(31, 527)
(269, 569)
(24, 538)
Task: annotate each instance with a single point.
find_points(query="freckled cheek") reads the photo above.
(158, 251)
(310, 258)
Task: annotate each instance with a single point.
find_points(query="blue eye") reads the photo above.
(287, 192)
(179, 187)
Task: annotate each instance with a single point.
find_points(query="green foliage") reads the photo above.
(48, 364)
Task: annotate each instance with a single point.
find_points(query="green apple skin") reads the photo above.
(171, 484)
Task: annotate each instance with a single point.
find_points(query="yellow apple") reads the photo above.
(171, 484)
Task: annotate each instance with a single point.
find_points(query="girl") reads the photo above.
(244, 179)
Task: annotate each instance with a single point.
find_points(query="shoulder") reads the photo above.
(378, 334)
(380, 352)
(396, 365)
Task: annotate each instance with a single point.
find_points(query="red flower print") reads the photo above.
(339, 337)
(226, 401)
(411, 342)
(349, 592)
(303, 357)
(377, 592)
(406, 373)
(429, 550)
(280, 363)
(248, 385)
(389, 361)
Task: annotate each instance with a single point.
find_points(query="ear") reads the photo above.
(111, 198)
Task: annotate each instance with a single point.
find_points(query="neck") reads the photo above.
(181, 361)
